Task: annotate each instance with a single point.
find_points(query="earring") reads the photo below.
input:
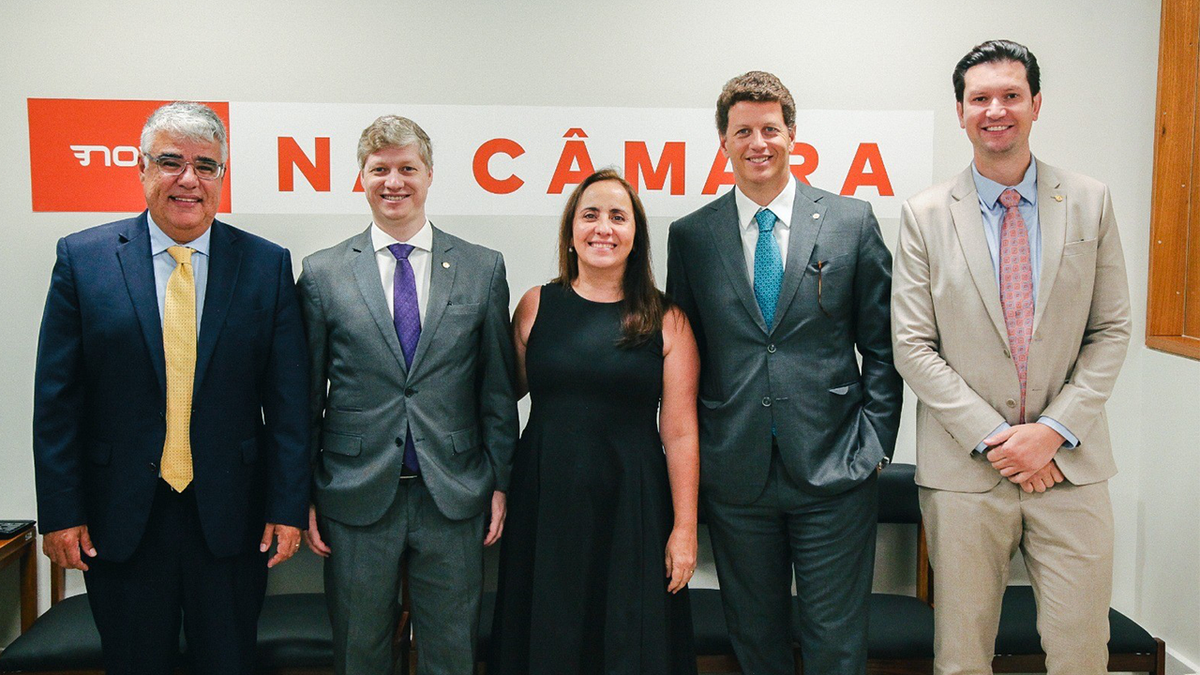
(570, 249)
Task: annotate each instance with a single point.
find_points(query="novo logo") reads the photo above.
(121, 155)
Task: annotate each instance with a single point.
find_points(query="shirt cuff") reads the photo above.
(1069, 439)
(982, 447)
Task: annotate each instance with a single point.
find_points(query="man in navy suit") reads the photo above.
(170, 440)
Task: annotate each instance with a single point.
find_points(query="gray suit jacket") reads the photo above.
(834, 422)
(952, 346)
(458, 397)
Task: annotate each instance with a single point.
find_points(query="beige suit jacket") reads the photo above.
(951, 346)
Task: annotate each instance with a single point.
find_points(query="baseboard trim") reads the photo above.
(1177, 664)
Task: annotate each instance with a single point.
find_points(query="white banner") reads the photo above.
(524, 160)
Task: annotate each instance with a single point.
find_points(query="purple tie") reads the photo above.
(407, 317)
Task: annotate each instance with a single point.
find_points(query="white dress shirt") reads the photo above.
(781, 206)
(419, 258)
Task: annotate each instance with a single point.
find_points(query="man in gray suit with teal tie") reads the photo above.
(414, 417)
(782, 283)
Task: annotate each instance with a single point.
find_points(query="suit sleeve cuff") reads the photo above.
(1070, 440)
(982, 447)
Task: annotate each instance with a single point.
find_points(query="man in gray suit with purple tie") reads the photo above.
(414, 417)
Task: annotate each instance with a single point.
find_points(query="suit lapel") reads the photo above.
(1052, 219)
(133, 252)
(361, 259)
(801, 241)
(968, 223)
(224, 264)
(442, 269)
(727, 241)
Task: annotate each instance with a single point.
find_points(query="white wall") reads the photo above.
(1099, 62)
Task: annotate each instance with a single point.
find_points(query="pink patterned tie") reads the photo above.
(1016, 285)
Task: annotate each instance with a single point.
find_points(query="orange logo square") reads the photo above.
(83, 154)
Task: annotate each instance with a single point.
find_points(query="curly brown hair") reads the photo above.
(758, 86)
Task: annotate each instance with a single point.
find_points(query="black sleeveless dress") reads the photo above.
(583, 586)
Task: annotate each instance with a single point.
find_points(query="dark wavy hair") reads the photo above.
(994, 51)
(643, 305)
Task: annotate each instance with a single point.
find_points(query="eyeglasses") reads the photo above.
(171, 165)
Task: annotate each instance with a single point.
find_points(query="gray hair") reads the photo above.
(393, 131)
(194, 121)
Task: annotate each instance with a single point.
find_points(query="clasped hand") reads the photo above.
(1024, 454)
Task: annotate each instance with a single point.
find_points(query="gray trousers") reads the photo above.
(445, 577)
(828, 543)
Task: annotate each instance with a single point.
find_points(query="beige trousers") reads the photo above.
(1066, 537)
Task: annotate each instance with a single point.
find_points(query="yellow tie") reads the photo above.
(179, 345)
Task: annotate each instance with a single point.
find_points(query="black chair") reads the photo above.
(713, 651)
(294, 637)
(900, 639)
(1019, 650)
(900, 632)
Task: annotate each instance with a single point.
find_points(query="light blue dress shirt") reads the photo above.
(164, 265)
(992, 211)
(993, 217)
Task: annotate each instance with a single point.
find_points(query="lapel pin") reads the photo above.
(446, 265)
(1058, 198)
(816, 215)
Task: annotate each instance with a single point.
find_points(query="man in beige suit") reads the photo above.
(1010, 315)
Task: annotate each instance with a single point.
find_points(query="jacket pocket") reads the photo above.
(256, 317)
(1079, 247)
(349, 445)
(464, 440)
(828, 264)
(850, 388)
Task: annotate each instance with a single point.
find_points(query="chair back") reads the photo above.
(898, 501)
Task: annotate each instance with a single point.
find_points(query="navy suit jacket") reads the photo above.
(100, 391)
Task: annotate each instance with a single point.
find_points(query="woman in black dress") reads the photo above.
(600, 538)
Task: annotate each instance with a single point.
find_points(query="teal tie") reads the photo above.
(768, 266)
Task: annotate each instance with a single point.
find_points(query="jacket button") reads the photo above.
(771, 349)
(154, 467)
(766, 401)
(409, 391)
(399, 442)
(1010, 403)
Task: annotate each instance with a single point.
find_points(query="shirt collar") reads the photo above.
(422, 240)
(781, 206)
(989, 190)
(160, 242)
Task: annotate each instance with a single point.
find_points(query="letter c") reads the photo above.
(484, 155)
